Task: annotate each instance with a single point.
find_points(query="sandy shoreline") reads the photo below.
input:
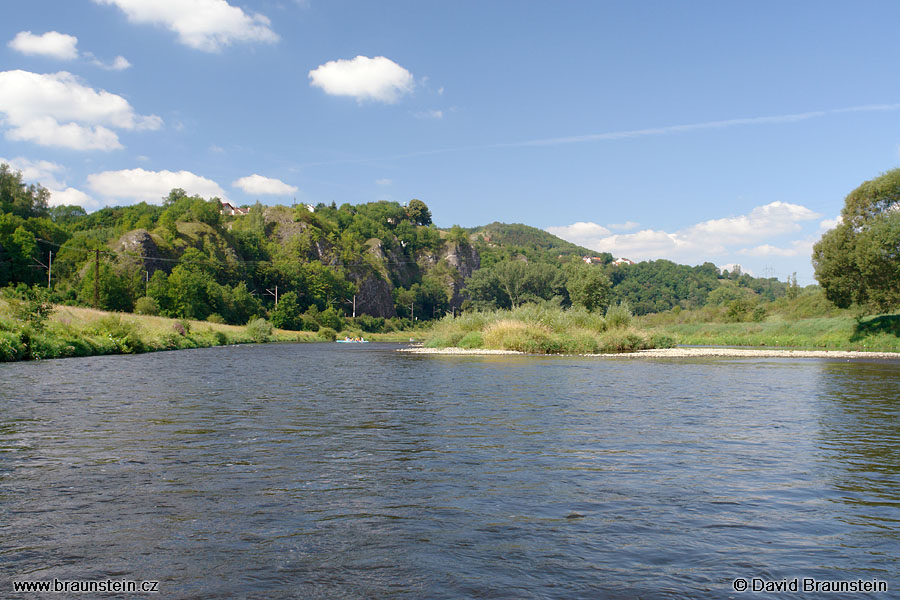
(685, 353)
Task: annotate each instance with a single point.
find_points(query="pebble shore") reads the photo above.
(685, 353)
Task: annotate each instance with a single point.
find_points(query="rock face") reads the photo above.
(373, 294)
(466, 260)
(141, 245)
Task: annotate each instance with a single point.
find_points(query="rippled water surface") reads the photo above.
(327, 471)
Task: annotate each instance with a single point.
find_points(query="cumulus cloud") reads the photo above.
(626, 226)
(257, 184)
(207, 25)
(796, 248)
(363, 78)
(120, 63)
(53, 44)
(58, 110)
(701, 241)
(580, 231)
(138, 185)
(827, 224)
(43, 172)
(71, 196)
(775, 218)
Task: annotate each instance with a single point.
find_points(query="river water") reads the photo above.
(344, 471)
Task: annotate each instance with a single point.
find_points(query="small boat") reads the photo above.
(352, 341)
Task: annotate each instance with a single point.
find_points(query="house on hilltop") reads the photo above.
(622, 261)
(229, 209)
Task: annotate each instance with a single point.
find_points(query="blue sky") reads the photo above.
(692, 131)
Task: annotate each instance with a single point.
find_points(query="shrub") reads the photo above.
(370, 324)
(618, 315)
(34, 308)
(472, 339)
(328, 334)
(216, 318)
(146, 305)
(661, 340)
(622, 340)
(259, 330)
(120, 335)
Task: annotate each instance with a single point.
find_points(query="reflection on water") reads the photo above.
(319, 471)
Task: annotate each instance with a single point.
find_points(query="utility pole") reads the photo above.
(146, 283)
(49, 269)
(275, 293)
(354, 306)
(97, 278)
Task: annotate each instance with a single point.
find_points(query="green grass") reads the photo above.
(543, 329)
(73, 331)
(808, 321)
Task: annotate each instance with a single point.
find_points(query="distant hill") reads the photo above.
(498, 241)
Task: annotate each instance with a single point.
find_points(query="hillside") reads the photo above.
(200, 259)
(498, 241)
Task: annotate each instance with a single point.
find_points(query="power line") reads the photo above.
(208, 259)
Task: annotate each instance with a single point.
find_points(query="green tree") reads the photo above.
(287, 314)
(588, 286)
(20, 199)
(418, 212)
(859, 260)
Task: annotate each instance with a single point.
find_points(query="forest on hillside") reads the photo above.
(384, 264)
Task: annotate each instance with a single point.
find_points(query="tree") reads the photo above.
(20, 199)
(859, 260)
(588, 286)
(287, 315)
(418, 212)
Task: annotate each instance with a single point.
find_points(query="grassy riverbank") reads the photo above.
(541, 329)
(74, 331)
(805, 322)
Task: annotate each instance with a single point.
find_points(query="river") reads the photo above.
(354, 471)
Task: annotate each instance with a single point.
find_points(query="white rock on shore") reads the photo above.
(685, 353)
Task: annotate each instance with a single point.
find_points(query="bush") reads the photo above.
(328, 334)
(34, 308)
(370, 324)
(259, 330)
(146, 305)
(661, 340)
(473, 339)
(622, 340)
(216, 318)
(331, 319)
(119, 335)
(618, 315)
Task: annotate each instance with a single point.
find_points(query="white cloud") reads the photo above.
(363, 78)
(43, 172)
(53, 44)
(257, 184)
(58, 110)
(139, 185)
(827, 224)
(384, 181)
(796, 248)
(580, 231)
(626, 226)
(430, 114)
(207, 25)
(71, 196)
(120, 63)
(700, 242)
(763, 221)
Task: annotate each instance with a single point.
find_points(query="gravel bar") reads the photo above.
(684, 353)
